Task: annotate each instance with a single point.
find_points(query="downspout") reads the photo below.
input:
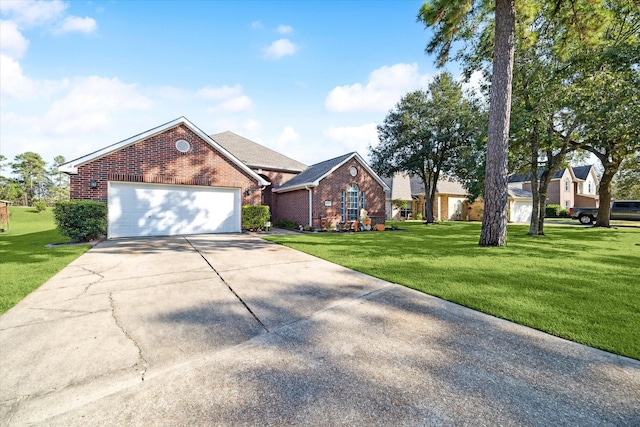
(310, 205)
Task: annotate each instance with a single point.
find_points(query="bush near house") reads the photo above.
(255, 217)
(81, 220)
(552, 211)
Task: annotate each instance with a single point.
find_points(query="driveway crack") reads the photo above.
(142, 364)
(228, 286)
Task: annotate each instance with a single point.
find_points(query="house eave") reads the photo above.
(71, 167)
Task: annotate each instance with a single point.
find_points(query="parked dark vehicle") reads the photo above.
(628, 210)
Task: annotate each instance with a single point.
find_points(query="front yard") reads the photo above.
(578, 283)
(25, 262)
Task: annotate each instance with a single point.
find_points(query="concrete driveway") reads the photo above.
(233, 330)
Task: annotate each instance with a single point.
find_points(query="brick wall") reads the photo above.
(293, 205)
(156, 160)
(276, 178)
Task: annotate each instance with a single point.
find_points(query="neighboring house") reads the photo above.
(450, 203)
(569, 187)
(174, 179)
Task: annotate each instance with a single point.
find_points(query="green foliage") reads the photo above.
(550, 294)
(399, 203)
(626, 183)
(552, 211)
(419, 216)
(255, 217)
(564, 213)
(428, 133)
(81, 220)
(289, 225)
(26, 262)
(30, 169)
(40, 205)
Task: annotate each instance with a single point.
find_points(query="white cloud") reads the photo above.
(354, 138)
(30, 13)
(76, 24)
(235, 105)
(91, 105)
(12, 42)
(384, 89)
(256, 25)
(221, 92)
(18, 86)
(288, 135)
(475, 83)
(231, 97)
(280, 48)
(285, 29)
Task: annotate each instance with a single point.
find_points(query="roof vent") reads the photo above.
(182, 145)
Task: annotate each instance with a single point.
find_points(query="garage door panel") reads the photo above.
(137, 209)
(522, 211)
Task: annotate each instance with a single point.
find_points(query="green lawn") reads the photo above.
(578, 283)
(25, 263)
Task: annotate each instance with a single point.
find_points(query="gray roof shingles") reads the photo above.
(255, 155)
(314, 172)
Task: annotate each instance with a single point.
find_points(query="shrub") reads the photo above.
(419, 216)
(290, 225)
(564, 213)
(255, 217)
(40, 205)
(552, 211)
(81, 220)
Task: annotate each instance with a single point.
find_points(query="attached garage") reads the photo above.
(170, 180)
(141, 209)
(520, 206)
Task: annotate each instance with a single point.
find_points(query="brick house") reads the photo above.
(175, 179)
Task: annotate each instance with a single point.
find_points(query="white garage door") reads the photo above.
(139, 209)
(521, 211)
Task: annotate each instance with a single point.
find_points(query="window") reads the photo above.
(589, 187)
(407, 212)
(566, 184)
(352, 202)
(342, 206)
(566, 204)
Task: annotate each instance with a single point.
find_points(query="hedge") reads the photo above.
(255, 217)
(552, 211)
(81, 220)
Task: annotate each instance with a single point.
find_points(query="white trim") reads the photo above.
(315, 183)
(71, 167)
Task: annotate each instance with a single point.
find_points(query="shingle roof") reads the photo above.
(444, 186)
(527, 177)
(256, 155)
(314, 172)
(519, 193)
(582, 172)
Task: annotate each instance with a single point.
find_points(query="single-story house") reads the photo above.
(175, 179)
(574, 186)
(450, 202)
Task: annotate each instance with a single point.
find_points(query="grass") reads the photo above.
(577, 283)
(25, 263)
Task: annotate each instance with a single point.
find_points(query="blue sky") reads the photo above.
(309, 79)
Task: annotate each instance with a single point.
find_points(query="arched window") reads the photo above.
(352, 202)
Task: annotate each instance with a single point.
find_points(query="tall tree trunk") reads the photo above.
(604, 210)
(494, 220)
(543, 188)
(534, 229)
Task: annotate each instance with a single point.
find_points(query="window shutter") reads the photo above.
(362, 204)
(342, 206)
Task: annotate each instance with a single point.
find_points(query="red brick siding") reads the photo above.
(156, 159)
(276, 178)
(293, 206)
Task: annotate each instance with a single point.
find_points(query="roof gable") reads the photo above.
(256, 155)
(445, 185)
(312, 176)
(71, 167)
